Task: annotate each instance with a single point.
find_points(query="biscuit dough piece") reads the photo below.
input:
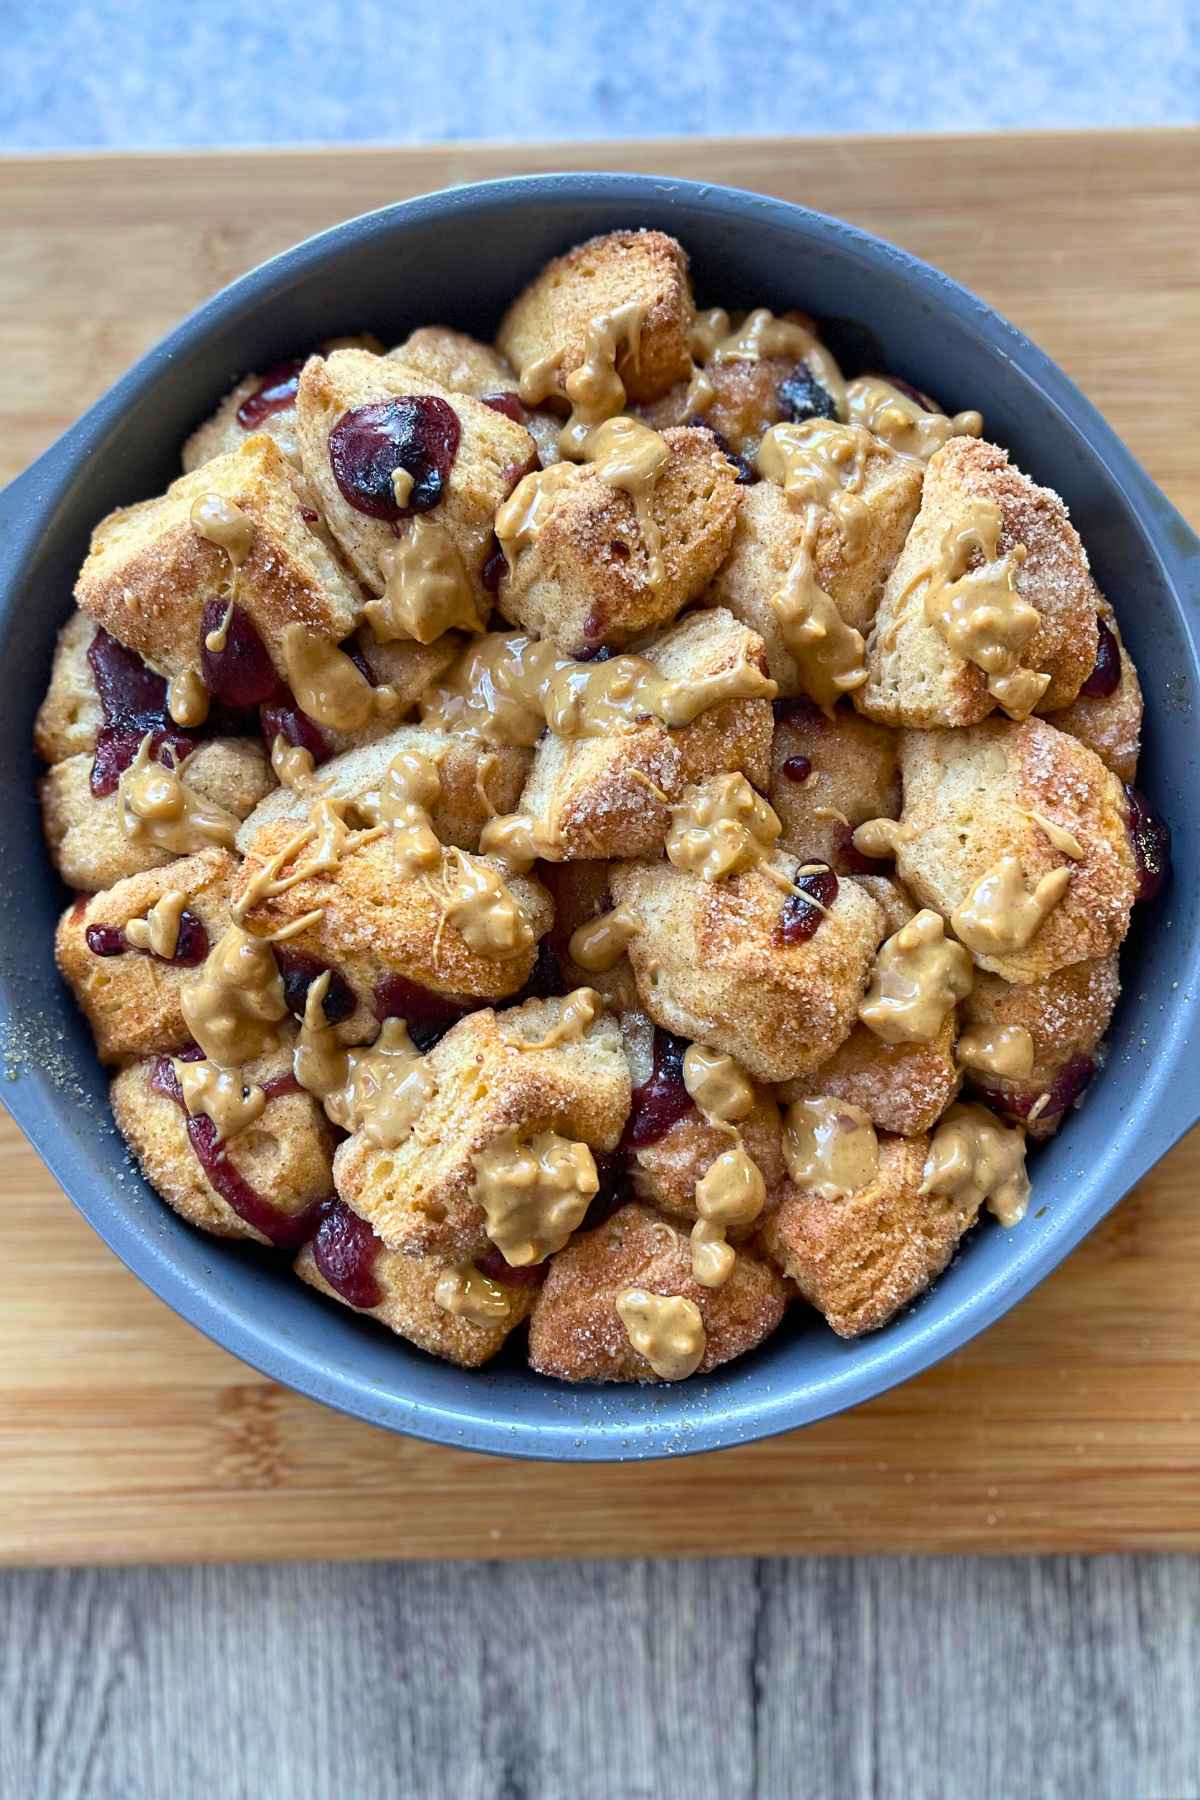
(576, 1332)
(711, 964)
(548, 322)
(403, 1290)
(1109, 723)
(829, 774)
(596, 797)
(585, 577)
(492, 454)
(83, 830)
(860, 1258)
(903, 1088)
(285, 1157)
(149, 574)
(455, 361)
(969, 801)
(131, 997)
(70, 715)
(914, 677)
(745, 401)
(1066, 1015)
(488, 1079)
(768, 537)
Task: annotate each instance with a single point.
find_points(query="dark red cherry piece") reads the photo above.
(418, 433)
(298, 971)
(242, 674)
(795, 768)
(797, 919)
(345, 1250)
(510, 404)
(275, 392)
(428, 1016)
(133, 701)
(1151, 839)
(662, 1100)
(281, 717)
(1106, 671)
(802, 396)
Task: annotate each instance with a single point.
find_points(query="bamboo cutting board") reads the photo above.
(1075, 1423)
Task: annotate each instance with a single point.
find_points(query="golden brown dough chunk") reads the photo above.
(70, 715)
(285, 1157)
(577, 1334)
(1066, 1014)
(1110, 724)
(580, 892)
(969, 801)
(745, 401)
(903, 1088)
(551, 317)
(492, 454)
(596, 796)
(455, 361)
(83, 830)
(859, 1259)
(475, 783)
(407, 1287)
(149, 574)
(375, 922)
(131, 997)
(914, 678)
(827, 776)
(664, 1174)
(420, 1198)
(584, 578)
(768, 536)
(711, 964)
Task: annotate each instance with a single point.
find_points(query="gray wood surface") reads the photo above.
(833, 1677)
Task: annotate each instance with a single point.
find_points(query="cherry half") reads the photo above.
(418, 433)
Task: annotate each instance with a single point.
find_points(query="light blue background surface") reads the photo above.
(179, 72)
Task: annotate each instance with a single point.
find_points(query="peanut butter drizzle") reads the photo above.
(159, 930)
(534, 1193)
(718, 1085)
(222, 1094)
(234, 1004)
(979, 612)
(187, 699)
(762, 335)
(520, 519)
(518, 841)
(830, 655)
(918, 977)
(156, 808)
(630, 456)
(217, 639)
(830, 1147)
(379, 1091)
(1004, 1050)
(731, 1192)
(494, 692)
(1060, 837)
(599, 945)
(721, 826)
(468, 1295)
(879, 837)
(410, 788)
(1001, 914)
(580, 1009)
(973, 1161)
(820, 465)
(893, 416)
(402, 486)
(292, 766)
(328, 686)
(667, 1329)
(595, 390)
(427, 590)
(483, 909)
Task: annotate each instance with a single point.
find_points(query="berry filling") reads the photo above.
(1106, 672)
(133, 700)
(797, 919)
(276, 391)
(1151, 840)
(345, 1250)
(281, 717)
(242, 674)
(298, 971)
(796, 768)
(191, 945)
(1066, 1088)
(417, 434)
(428, 1016)
(510, 404)
(662, 1100)
(802, 396)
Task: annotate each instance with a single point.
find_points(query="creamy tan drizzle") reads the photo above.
(520, 519)
(478, 902)
(328, 686)
(918, 977)
(533, 1193)
(720, 826)
(667, 1329)
(222, 1094)
(1001, 914)
(820, 464)
(217, 639)
(1060, 837)
(718, 1085)
(879, 837)
(379, 1091)
(830, 655)
(292, 765)
(508, 688)
(233, 1006)
(159, 930)
(973, 1160)
(410, 788)
(595, 390)
(156, 808)
(402, 486)
(599, 945)
(731, 1193)
(1004, 1050)
(830, 1147)
(630, 456)
(518, 840)
(469, 1295)
(427, 589)
(187, 699)
(881, 408)
(978, 611)
(578, 1011)
(761, 335)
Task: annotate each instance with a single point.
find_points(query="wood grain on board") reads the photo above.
(1074, 1423)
